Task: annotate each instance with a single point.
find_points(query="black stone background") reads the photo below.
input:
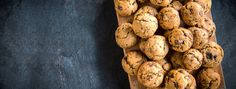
(69, 44)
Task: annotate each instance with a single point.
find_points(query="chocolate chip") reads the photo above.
(181, 71)
(185, 34)
(200, 43)
(191, 10)
(149, 77)
(120, 8)
(214, 56)
(209, 55)
(179, 42)
(171, 75)
(133, 3)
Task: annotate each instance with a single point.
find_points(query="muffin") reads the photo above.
(192, 13)
(150, 74)
(146, 9)
(180, 39)
(161, 2)
(192, 59)
(208, 25)
(125, 36)
(212, 54)
(168, 18)
(179, 79)
(125, 7)
(208, 79)
(145, 25)
(155, 47)
(200, 37)
(132, 61)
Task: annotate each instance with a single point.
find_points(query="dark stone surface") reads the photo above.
(69, 44)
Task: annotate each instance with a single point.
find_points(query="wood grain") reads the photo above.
(134, 84)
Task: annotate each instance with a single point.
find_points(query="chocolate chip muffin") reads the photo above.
(180, 39)
(168, 18)
(125, 7)
(206, 4)
(200, 37)
(145, 25)
(192, 59)
(161, 2)
(150, 74)
(155, 47)
(177, 59)
(132, 61)
(177, 5)
(192, 13)
(208, 79)
(212, 54)
(208, 25)
(179, 79)
(125, 36)
(166, 65)
(146, 9)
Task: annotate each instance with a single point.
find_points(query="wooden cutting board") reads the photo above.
(134, 84)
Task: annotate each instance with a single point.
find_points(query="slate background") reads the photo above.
(69, 44)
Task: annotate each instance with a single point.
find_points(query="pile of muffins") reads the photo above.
(173, 41)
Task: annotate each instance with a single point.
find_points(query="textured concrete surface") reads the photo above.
(69, 44)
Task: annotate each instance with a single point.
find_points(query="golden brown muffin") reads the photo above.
(179, 79)
(166, 65)
(212, 54)
(150, 74)
(168, 18)
(132, 61)
(208, 79)
(125, 36)
(180, 39)
(192, 59)
(200, 37)
(176, 5)
(176, 60)
(145, 25)
(146, 9)
(161, 2)
(206, 4)
(155, 47)
(192, 13)
(208, 25)
(125, 7)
